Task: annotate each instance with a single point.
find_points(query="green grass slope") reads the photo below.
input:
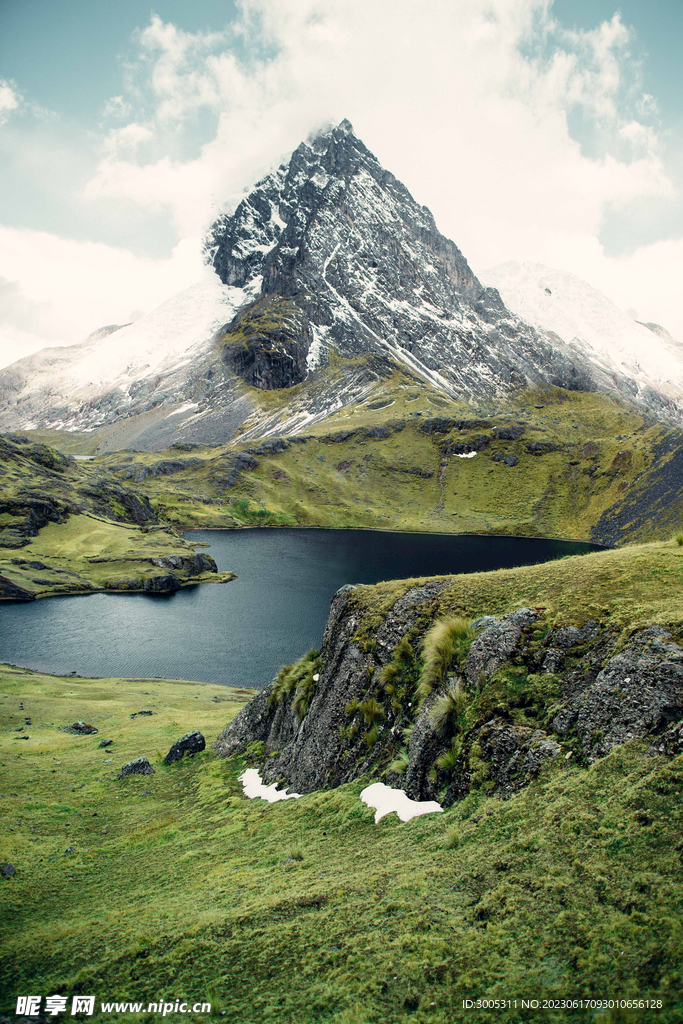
(577, 458)
(307, 910)
(629, 587)
(64, 530)
(551, 463)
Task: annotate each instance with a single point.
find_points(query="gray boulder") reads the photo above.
(189, 745)
(80, 729)
(495, 644)
(140, 766)
(638, 692)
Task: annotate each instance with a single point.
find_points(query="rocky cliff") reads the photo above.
(438, 706)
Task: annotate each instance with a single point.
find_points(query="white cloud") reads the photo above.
(56, 291)
(10, 99)
(117, 107)
(471, 105)
(467, 103)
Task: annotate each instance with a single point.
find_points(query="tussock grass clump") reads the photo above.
(445, 645)
(301, 680)
(448, 761)
(399, 676)
(399, 765)
(402, 662)
(369, 711)
(284, 684)
(452, 837)
(371, 737)
(679, 539)
(448, 714)
(372, 711)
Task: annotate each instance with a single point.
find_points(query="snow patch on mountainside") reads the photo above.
(554, 300)
(163, 340)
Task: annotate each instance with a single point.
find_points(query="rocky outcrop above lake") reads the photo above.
(521, 694)
(43, 488)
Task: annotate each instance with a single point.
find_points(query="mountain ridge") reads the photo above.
(327, 266)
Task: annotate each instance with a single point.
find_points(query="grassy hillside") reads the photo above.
(64, 530)
(627, 587)
(88, 553)
(574, 457)
(306, 910)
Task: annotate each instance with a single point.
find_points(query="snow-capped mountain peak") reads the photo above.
(329, 255)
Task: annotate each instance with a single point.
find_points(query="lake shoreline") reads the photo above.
(275, 610)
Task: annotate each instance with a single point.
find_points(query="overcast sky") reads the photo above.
(533, 130)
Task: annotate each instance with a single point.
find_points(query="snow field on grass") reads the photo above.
(253, 787)
(385, 800)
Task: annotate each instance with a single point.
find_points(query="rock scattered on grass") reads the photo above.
(189, 745)
(80, 729)
(8, 870)
(139, 766)
(106, 743)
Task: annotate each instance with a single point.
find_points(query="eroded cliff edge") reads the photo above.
(438, 704)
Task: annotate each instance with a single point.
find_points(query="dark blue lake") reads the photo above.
(240, 633)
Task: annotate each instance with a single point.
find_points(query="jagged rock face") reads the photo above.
(337, 234)
(606, 696)
(639, 692)
(267, 344)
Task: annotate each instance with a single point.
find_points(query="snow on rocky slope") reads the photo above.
(330, 253)
(369, 271)
(84, 385)
(556, 301)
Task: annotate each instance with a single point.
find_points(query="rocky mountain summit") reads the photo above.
(328, 256)
(352, 263)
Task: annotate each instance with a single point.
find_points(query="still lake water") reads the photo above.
(240, 633)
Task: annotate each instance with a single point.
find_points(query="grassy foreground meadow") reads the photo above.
(175, 886)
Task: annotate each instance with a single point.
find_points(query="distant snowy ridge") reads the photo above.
(557, 301)
(157, 344)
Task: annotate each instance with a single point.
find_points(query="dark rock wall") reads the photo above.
(535, 693)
